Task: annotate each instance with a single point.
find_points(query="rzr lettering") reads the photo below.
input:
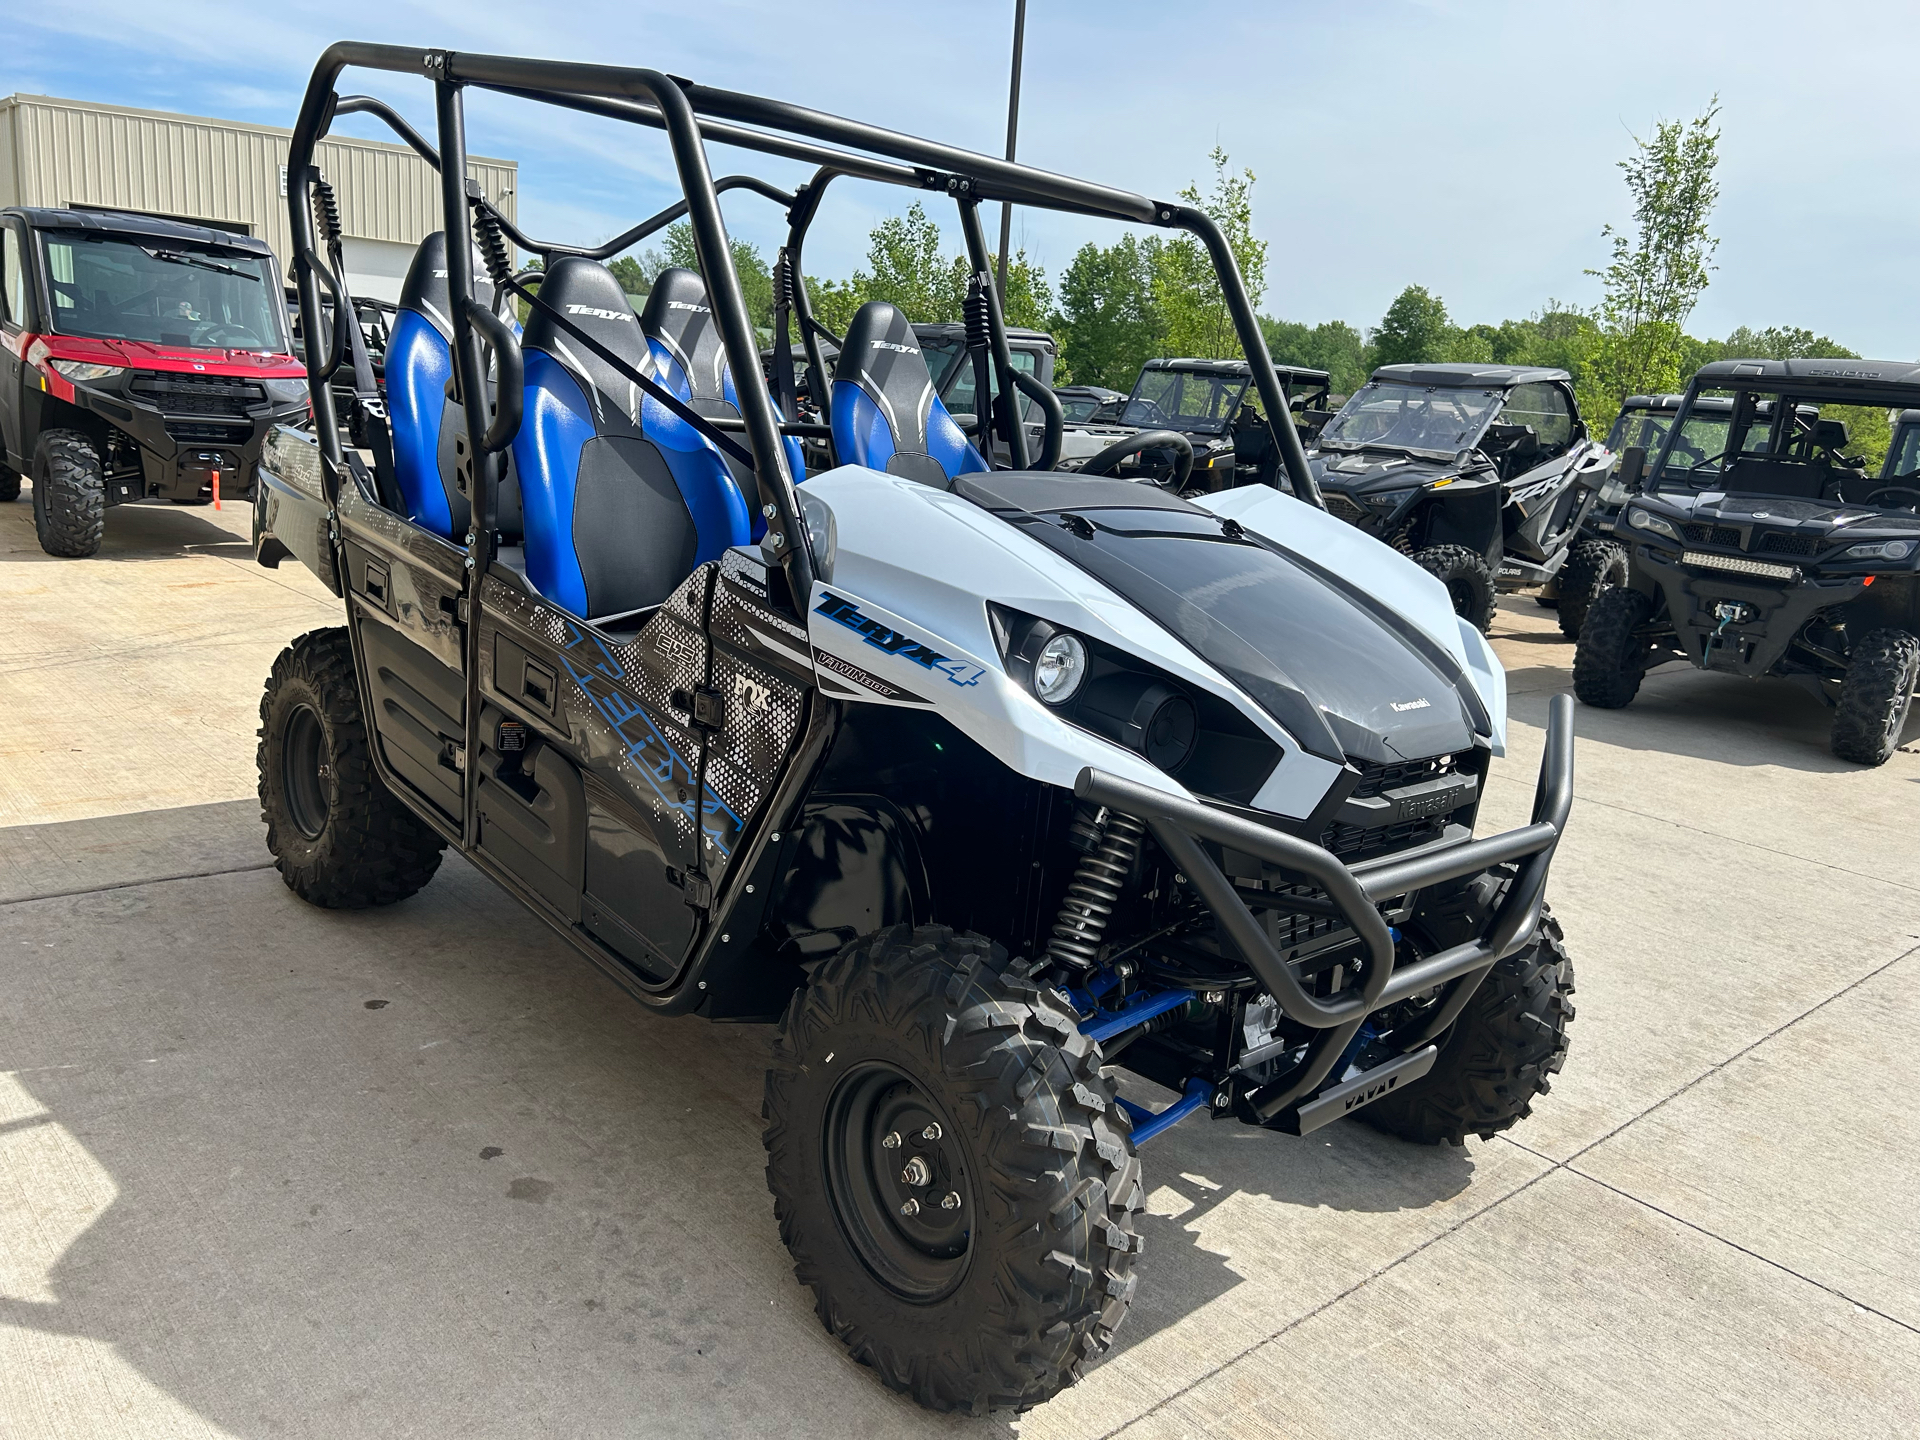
(895, 642)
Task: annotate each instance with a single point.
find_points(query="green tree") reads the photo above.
(1659, 267)
(1334, 346)
(1193, 308)
(1415, 329)
(1108, 323)
(633, 280)
(677, 250)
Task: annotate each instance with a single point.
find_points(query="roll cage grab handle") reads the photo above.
(692, 114)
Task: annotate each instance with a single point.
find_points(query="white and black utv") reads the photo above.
(1761, 547)
(1483, 474)
(997, 790)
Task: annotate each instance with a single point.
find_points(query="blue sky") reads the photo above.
(1469, 147)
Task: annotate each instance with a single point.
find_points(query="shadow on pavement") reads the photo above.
(147, 530)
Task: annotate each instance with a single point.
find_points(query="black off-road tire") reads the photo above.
(339, 837)
(1876, 696)
(9, 483)
(1610, 659)
(1037, 1148)
(1594, 567)
(1468, 578)
(1496, 1057)
(69, 494)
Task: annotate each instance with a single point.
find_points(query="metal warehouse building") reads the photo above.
(228, 175)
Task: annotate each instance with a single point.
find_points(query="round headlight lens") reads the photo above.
(1059, 668)
(1881, 550)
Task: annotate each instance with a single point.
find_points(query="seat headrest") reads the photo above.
(679, 317)
(587, 294)
(1830, 434)
(882, 356)
(425, 289)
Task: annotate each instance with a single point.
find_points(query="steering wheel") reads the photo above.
(1150, 410)
(1108, 460)
(216, 330)
(1910, 491)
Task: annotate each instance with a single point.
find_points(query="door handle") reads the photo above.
(537, 685)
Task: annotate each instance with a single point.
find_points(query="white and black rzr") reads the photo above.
(1001, 790)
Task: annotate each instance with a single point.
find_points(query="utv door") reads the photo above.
(1544, 499)
(14, 321)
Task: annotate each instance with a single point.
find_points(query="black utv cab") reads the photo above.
(1643, 424)
(1090, 404)
(1482, 473)
(1776, 552)
(1195, 427)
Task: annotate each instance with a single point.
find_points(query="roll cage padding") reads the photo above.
(886, 415)
(623, 498)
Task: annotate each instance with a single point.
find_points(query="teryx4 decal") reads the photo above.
(895, 642)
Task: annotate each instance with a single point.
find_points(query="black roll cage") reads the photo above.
(692, 115)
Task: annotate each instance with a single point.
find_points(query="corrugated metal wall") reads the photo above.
(53, 152)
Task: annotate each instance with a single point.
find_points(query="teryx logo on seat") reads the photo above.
(597, 313)
(895, 642)
(889, 345)
(688, 305)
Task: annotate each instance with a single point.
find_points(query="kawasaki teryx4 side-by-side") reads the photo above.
(1483, 474)
(140, 359)
(998, 791)
(1760, 546)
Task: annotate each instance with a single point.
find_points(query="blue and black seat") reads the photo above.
(690, 359)
(622, 498)
(428, 425)
(886, 415)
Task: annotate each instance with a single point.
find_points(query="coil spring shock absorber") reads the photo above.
(974, 311)
(1094, 890)
(493, 248)
(326, 210)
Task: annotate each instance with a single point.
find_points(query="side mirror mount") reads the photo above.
(1580, 431)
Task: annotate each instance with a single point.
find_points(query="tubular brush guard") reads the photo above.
(1179, 825)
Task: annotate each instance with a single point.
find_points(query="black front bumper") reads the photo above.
(1359, 892)
(1779, 609)
(180, 449)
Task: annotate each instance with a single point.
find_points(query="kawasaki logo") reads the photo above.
(598, 314)
(889, 345)
(895, 642)
(1410, 705)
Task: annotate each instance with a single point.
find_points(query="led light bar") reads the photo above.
(1739, 566)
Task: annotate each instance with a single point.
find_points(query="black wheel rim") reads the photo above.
(1464, 599)
(898, 1182)
(304, 773)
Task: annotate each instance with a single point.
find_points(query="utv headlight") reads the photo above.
(85, 369)
(1059, 668)
(1881, 550)
(287, 392)
(1647, 520)
(1388, 499)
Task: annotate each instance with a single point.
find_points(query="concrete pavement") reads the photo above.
(270, 1170)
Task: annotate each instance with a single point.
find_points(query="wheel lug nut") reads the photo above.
(932, 1132)
(951, 1201)
(910, 1207)
(917, 1173)
(891, 1140)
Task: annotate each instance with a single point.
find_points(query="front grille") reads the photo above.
(197, 394)
(1781, 544)
(1290, 932)
(189, 432)
(1376, 778)
(1360, 842)
(1724, 535)
(1341, 508)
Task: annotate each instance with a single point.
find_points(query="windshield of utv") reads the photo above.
(1810, 446)
(1184, 400)
(1430, 419)
(167, 292)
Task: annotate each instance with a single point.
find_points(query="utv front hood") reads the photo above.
(1342, 673)
(1374, 472)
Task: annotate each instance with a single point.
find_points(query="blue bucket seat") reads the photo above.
(690, 359)
(623, 499)
(885, 413)
(428, 427)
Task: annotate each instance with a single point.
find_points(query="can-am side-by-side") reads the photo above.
(1761, 546)
(1039, 810)
(140, 359)
(1482, 473)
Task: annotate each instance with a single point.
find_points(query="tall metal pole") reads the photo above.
(1013, 130)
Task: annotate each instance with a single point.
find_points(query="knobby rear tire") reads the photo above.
(339, 837)
(1594, 567)
(1468, 578)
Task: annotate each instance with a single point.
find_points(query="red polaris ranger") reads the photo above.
(140, 359)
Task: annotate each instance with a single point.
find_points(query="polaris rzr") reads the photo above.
(998, 790)
(1774, 552)
(140, 359)
(1483, 474)
(1205, 434)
